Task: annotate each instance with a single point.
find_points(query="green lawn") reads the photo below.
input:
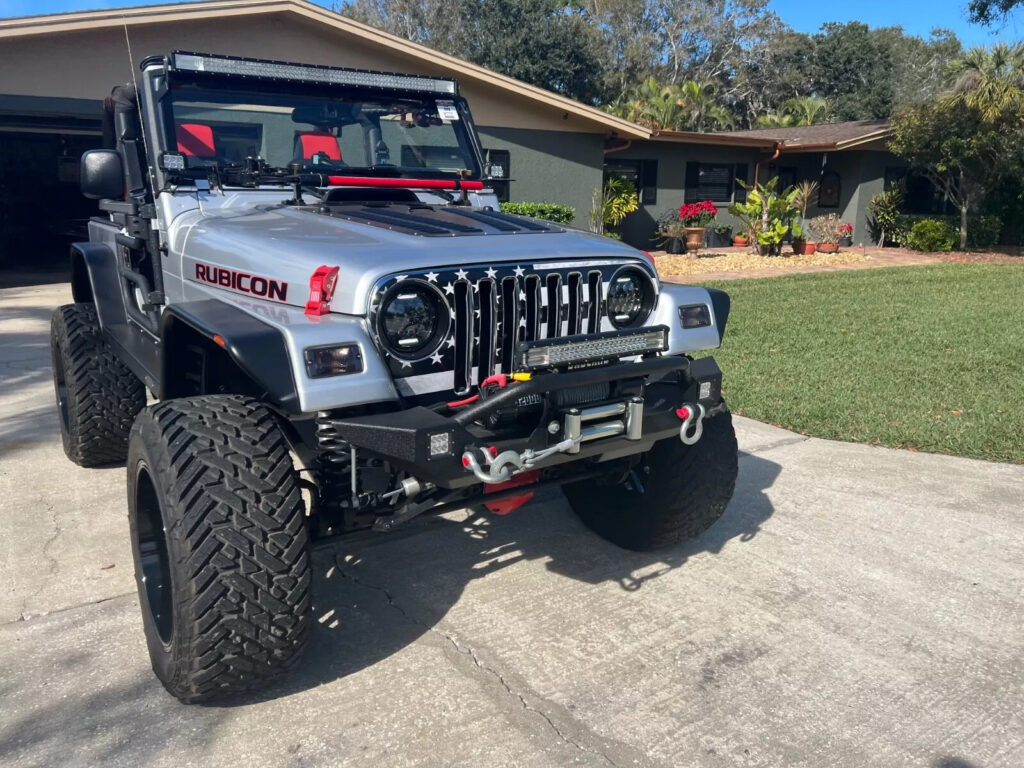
(926, 358)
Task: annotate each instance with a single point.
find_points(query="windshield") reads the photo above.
(359, 134)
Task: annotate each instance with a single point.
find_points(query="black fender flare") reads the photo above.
(258, 349)
(88, 259)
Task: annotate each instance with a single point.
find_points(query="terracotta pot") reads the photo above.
(801, 248)
(739, 242)
(694, 239)
(828, 247)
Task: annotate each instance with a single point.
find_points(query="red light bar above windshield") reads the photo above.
(391, 183)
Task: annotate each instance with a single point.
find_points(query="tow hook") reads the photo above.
(693, 418)
(501, 467)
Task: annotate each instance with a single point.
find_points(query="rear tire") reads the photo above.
(675, 493)
(220, 544)
(98, 396)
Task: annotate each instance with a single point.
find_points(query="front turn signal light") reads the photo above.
(333, 360)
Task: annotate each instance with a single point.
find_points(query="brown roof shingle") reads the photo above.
(836, 134)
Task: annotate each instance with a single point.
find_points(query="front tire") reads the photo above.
(675, 493)
(220, 545)
(97, 395)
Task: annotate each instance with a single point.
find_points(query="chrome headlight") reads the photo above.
(630, 297)
(413, 319)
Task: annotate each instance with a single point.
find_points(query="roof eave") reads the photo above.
(691, 137)
(88, 20)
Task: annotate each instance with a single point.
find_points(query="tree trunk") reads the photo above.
(963, 214)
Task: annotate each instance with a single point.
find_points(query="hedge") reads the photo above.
(982, 231)
(563, 214)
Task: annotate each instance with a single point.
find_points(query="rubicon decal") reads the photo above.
(242, 281)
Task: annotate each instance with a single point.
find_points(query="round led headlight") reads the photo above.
(630, 297)
(413, 319)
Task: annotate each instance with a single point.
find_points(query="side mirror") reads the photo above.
(102, 176)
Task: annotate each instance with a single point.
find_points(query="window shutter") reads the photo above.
(692, 182)
(739, 193)
(649, 182)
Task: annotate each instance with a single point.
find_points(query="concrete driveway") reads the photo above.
(855, 606)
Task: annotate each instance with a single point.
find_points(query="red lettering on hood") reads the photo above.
(243, 282)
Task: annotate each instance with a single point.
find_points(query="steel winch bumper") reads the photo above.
(644, 404)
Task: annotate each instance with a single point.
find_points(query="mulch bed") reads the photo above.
(740, 261)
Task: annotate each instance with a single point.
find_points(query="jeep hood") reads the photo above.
(228, 246)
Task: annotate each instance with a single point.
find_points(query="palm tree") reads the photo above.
(774, 120)
(989, 80)
(807, 110)
(700, 110)
(690, 106)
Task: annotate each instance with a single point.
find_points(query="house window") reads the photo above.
(829, 190)
(642, 174)
(714, 181)
(787, 178)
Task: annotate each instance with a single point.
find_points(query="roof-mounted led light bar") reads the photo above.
(278, 70)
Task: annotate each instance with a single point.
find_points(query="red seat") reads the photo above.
(312, 143)
(195, 140)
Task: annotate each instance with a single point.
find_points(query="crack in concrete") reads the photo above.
(471, 654)
(777, 444)
(51, 569)
(56, 612)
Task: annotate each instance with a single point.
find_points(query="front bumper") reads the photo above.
(430, 445)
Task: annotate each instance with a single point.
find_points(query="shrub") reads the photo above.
(931, 235)
(982, 231)
(829, 228)
(563, 214)
(884, 209)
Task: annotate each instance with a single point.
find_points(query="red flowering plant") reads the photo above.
(845, 229)
(698, 214)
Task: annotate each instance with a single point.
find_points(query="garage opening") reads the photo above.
(41, 208)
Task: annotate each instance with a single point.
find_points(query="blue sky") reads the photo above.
(915, 16)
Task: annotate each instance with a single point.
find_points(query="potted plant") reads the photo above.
(806, 194)
(720, 236)
(829, 229)
(801, 247)
(740, 240)
(767, 214)
(697, 217)
(672, 236)
(846, 234)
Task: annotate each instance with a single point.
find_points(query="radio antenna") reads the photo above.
(135, 85)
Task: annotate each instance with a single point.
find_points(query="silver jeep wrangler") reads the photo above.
(340, 330)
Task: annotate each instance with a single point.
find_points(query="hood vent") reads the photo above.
(436, 221)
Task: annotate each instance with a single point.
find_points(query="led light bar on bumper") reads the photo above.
(585, 351)
(280, 70)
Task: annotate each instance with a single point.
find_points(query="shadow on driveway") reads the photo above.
(373, 597)
(422, 572)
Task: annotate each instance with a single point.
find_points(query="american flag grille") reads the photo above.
(492, 308)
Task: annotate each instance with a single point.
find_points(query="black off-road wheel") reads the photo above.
(220, 544)
(675, 493)
(98, 396)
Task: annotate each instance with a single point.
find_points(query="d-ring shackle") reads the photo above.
(695, 419)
